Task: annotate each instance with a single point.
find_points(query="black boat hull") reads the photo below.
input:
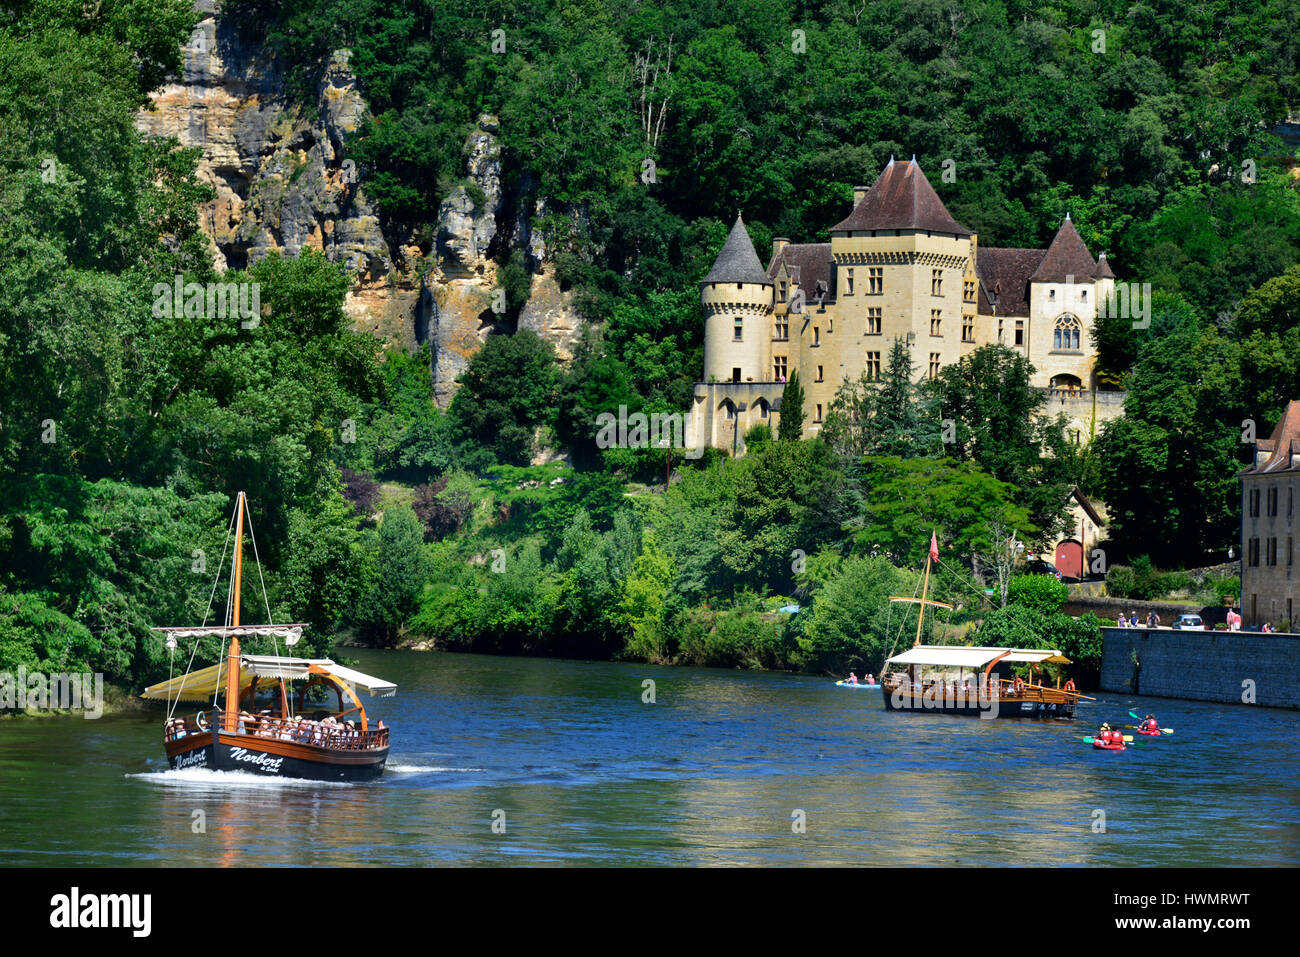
(272, 758)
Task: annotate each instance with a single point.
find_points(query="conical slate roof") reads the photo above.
(1103, 269)
(738, 262)
(902, 198)
(1066, 256)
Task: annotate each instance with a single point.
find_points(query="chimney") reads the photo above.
(779, 244)
(859, 192)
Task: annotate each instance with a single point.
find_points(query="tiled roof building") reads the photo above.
(898, 266)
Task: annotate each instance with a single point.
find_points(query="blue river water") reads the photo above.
(523, 761)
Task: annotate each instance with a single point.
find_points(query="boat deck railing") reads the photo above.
(1004, 689)
(300, 730)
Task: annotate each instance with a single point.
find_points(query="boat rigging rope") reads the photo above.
(1009, 609)
(230, 530)
(275, 643)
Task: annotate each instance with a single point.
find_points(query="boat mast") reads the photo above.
(920, 618)
(232, 662)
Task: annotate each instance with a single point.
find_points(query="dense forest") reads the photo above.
(124, 433)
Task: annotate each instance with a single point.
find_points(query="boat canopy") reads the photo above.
(204, 683)
(957, 656)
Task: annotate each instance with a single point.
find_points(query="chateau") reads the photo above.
(899, 266)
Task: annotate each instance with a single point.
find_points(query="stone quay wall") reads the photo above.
(1203, 665)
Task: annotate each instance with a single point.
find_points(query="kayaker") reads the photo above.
(1150, 725)
(852, 679)
(870, 680)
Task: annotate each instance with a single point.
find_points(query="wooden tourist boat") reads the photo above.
(962, 680)
(284, 735)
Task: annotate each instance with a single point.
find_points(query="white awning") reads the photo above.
(946, 656)
(376, 687)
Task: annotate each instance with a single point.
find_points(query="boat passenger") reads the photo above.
(1150, 724)
(852, 679)
(870, 679)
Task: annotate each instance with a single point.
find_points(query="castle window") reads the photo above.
(740, 329)
(848, 281)
(968, 291)
(1272, 502)
(1252, 552)
(1002, 339)
(783, 291)
(876, 280)
(1290, 555)
(934, 365)
(968, 328)
(1272, 551)
(936, 319)
(873, 365)
(819, 412)
(1051, 295)
(779, 368)
(1020, 332)
(1084, 293)
(936, 282)
(782, 328)
(820, 374)
(817, 335)
(1067, 333)
(1254, 503)
(873, 321)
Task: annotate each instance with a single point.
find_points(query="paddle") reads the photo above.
(1135, 728)
(1128, 739)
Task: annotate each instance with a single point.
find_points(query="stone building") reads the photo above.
(899, 266)
(1075, 550)
(1268, 507)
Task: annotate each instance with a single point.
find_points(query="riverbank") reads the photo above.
(117, 700)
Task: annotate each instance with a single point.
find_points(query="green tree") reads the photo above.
(399, 569)
(506, 393)
(790, 428)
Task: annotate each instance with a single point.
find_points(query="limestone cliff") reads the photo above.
(283, 181)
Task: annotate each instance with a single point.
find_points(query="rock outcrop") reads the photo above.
(283, 182)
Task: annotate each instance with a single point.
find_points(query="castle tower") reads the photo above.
(736, 297)
(903, 269)
(1063, 297)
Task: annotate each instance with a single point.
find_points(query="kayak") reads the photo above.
(1102, 746)
(845, 684)
(1156, 734)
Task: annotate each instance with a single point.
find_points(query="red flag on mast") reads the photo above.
(934, 548)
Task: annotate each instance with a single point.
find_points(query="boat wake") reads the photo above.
(424, 769)
(205, 777)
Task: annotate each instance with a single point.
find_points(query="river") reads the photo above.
(501, 761)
